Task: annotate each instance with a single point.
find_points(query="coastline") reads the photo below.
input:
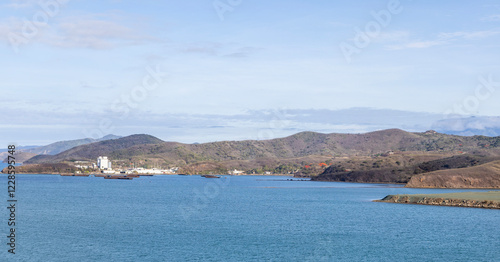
(488, 200)
(416, 185)
(99, 174)
(382, 183)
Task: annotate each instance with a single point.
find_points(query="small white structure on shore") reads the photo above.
(103, 163)
(236, 172)
(153, 171)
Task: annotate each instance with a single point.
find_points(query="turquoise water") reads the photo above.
(190, 218)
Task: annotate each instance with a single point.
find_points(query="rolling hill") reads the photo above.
(428, 159)
(481, 176)
(301, 145)
(298, 145)
(93, 150)
(403, 173)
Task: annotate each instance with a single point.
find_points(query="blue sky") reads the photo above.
(85, 63)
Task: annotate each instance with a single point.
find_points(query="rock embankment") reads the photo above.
(483, 200)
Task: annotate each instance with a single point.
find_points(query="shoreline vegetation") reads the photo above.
(489, 200)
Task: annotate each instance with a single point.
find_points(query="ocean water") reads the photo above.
(240, 218)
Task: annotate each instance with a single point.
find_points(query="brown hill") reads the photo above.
(300, 152)
(385, 171)
(481, 176)
(299, 145)
(93, 150)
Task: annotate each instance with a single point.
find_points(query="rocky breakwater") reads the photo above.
(467, 199)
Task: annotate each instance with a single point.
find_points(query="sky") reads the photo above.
(212, 70)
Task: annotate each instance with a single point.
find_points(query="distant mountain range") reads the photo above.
(486, 126)
(296, 146)
(387, 156)
(58, 147)
(24, 153)
(19, 148)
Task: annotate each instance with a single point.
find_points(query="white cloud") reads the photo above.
(392, 36)
(18, 4)
(10, 27)
(183, 127)
(94, 33)
(101, 31)
(416, 44)
(21, 3)
(243, 52)
(467, 35)
(5, 29)
(441, 39)
(491, 18)
(219, 49)
(339, 24)
(202, 48)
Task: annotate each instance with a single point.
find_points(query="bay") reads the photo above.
(236, 218)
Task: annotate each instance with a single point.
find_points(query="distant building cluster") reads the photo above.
(85, 165)
(103, 163)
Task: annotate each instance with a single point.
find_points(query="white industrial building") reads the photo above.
(103, 163)
(236, 172)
